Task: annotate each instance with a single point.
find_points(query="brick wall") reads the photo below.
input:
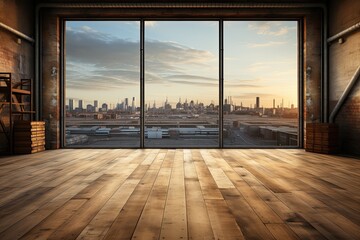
(16, 56)
(343, 61)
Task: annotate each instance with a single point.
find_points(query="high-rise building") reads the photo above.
(96, 103)
(179, 105)
(104, 107)
(126, 104)
(257, 102)
(133, 105)
(80, 104)
(273, 103)
(89, 108)
(71, 105)
(186, 105)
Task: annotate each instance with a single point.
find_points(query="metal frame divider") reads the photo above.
(300, 84)
(142, 83)
(221, 82)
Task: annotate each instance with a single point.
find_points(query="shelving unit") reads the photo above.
(15, 104)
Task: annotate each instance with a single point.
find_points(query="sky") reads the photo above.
(181, 61)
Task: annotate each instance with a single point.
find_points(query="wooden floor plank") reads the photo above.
(248, 221)
(150, 222)
(125, 223)
(208, 185)
(174, 224)
(222, 220)
(45, 228)
(199, 226)
(72, 228)
(102, 222)
(281, 231)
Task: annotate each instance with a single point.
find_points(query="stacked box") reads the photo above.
(29, 137)
(321, 138)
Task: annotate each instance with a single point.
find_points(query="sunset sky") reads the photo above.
(182, 61)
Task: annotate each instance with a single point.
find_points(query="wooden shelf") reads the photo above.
(21, 91)
(21, 104)
(17, 100)
(23, 112)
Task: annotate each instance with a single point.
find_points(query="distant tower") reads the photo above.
(96, 103)
(133, 104)
(80, 104)
(104, 107)
(179, 105)
(186, 105)
(126, 104)
(89, 108)
(71, 105)
(274, 103)
(257, 102)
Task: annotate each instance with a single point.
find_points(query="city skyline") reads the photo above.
(227, 100)
(181, 58)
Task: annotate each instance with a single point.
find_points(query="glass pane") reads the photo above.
(102, 84)
(181, 83)
(260, 83)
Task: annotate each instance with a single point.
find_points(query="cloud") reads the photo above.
(95, 60)
(240, 85)
(273, 28)
(268, 44)
(193, 83)
(150, 23)
(175, 54)
(191, 77)
(254, 95)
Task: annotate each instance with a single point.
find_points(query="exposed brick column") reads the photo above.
(51, 78)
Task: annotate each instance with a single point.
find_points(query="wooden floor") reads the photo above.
(179, 194)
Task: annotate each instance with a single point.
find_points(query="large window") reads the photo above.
(260, 83)
(160, 83)
(181, 84)
(102, 93)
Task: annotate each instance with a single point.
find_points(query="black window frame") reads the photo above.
(300, 79)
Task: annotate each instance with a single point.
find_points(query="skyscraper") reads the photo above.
(126, 104)
(104, 107)
(96, 103)
(80, 104)
(133, 105)
(257, 102)
(71, 105)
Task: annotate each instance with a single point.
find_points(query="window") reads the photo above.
(187, 67)
(102, 92)
(181, 84)
(260, 83)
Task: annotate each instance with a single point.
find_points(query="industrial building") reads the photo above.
(149, 165)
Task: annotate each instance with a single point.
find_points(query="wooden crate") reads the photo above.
(321, 138)
(29, 137)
